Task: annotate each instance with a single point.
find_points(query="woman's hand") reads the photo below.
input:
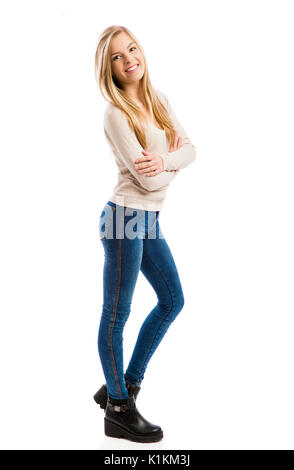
(152, 164)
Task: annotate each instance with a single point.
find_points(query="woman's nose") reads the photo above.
(128, 60)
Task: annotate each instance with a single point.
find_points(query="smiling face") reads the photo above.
(127, 61)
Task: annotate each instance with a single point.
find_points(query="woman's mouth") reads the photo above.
(132, 69)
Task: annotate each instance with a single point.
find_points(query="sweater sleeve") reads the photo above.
(126, 146)
(186, 154)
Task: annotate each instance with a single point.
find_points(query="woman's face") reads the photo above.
(124, 54)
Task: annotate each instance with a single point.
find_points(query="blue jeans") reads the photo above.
(133, 241)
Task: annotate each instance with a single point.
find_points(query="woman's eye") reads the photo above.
(134, 47)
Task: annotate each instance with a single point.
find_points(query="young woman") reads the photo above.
(150, 148)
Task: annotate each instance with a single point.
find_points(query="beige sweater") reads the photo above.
(138, 190)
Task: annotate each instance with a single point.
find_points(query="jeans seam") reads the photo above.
(113, 319)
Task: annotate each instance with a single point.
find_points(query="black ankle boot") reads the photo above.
(125, 421)
(100, 396)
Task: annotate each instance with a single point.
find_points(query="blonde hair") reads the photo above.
(113, 93)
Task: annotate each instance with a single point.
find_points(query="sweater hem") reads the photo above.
(136, 203)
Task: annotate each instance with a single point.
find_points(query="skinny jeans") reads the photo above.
(133, 241)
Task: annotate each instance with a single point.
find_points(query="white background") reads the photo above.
(222, 378)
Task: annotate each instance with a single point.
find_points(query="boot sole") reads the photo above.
(114, 430)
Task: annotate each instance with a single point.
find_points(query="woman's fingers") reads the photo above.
(144, 165)
(149, 169)
(149, 165)
(153, 173)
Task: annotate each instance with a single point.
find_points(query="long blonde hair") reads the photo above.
(113, 93)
